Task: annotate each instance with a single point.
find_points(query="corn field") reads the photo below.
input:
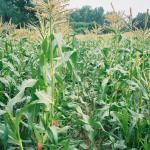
(59, 93)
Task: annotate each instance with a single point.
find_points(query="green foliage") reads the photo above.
(87, 15)
(81, 27)
(17, 11)
(84, 18)
(142, 20)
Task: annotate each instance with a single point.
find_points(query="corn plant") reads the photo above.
(60, 93)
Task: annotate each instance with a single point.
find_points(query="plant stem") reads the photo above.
(21, 146)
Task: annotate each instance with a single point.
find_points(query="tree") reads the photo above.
(86, 18)
(142, 20)
(88, 15)
(98, 15)
(16, 10)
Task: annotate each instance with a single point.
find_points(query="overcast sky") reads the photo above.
(136, 5)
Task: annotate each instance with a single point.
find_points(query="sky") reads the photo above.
(124, 5)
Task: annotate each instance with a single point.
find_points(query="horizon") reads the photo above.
(119, 5)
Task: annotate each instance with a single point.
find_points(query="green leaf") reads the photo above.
(105, 82)
(59, 40)
(19, 97)
(120, 145)
(4, 81)
(54, 132)
(27, 83)
(12, 102)
(64, 129)
(11, 67)
(15, 58)
(74, 57)
(44, 97)
(45, 46)
(2, 112)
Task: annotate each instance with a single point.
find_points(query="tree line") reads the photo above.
(87, 17)
(17, 11)
(80, 19)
